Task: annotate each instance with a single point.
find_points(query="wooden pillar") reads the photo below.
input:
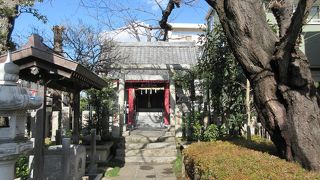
(76, 119)
(172, 93)
(131, 94)
(166, 103)
(39, 139)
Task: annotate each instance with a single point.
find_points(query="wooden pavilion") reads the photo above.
(39, 63)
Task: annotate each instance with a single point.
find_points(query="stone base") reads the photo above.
(115, 131)
(9, 153)
(53, 162)
(102, 151)
(7, 169)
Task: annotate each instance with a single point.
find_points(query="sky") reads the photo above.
(111, 13)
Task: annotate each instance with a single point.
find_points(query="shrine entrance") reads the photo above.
(149, 99)
(148, 103)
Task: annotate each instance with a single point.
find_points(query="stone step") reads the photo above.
(149, 114)
(149, 120)
(149, 125)
(126, 133)
(164, 159)
(144, 139)
(170, 133)
(146, 152)
(169, 145)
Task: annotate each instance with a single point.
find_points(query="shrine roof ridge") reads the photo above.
(157, 43)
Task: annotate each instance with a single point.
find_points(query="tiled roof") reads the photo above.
(157, 53)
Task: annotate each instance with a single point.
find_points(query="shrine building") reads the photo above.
(145, 84)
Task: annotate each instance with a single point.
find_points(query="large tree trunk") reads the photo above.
(285, 96)
(9, 12)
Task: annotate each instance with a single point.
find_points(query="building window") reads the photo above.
(4, 122)
(312, 42)
(314, 12)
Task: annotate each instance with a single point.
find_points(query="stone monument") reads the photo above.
(14, 103)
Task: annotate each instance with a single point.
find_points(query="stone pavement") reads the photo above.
(145, 171)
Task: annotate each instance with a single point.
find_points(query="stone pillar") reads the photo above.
(66, 159)
(118, 119)
(65, 119)
(93, 151)
(172, 103)
(85, 119)
(54, 124)
(178, 120)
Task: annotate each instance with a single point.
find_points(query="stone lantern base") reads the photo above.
(9, 153)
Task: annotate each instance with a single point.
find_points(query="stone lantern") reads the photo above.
(14, 103)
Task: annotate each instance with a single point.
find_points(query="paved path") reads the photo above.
(145, 171)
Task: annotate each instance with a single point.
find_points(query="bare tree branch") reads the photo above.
(156, 1)
(84, 45)
(165, 15)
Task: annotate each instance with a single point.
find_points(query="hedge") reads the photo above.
(225, 160)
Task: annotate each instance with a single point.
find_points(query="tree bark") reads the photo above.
(285, 96)
(9, 12)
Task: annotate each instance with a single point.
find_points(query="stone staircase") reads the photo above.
(148, 145)
(149, 119)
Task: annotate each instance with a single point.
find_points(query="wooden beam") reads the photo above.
(131, 96)
(76, 119)
(166, 104)
(39, 139)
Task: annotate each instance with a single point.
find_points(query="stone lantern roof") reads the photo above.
(12, 96)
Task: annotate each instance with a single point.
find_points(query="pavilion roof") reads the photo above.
(59, 72)
(156, 54)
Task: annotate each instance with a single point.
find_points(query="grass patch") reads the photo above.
(226, 160)
(110, 168)
(177, 165)
(113, 172)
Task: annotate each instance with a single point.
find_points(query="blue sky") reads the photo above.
(70, 11)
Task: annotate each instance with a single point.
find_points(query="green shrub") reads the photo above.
(48, 142)
(225, 160)
(211, 133)
(22, 170)
(197, 131)
(113, 172)
(256, 143)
